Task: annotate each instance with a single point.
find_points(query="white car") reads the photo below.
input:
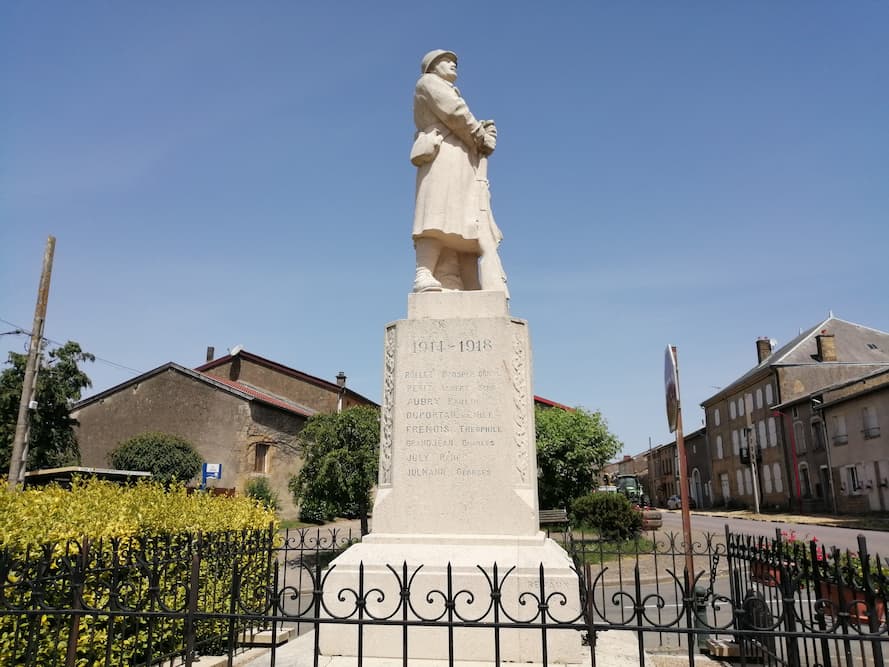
(675, 503)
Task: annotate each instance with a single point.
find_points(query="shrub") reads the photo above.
(259, 489)
(98, 509)
(611, 514)
(140, 541)
(168, 458)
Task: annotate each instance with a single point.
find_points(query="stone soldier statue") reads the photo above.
(454, 232)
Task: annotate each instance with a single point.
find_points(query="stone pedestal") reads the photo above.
(457, 492)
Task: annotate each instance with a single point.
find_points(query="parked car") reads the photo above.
(675, 503)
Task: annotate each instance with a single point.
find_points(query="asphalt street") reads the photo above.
(844, 538)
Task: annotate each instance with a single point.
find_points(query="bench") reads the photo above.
(554, 517)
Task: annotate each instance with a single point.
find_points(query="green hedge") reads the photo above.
(611, 514)
(132, 549)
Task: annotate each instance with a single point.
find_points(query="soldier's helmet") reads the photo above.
(432, 56)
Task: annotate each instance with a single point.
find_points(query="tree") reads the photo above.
(572, 447)
(340, 466)
(167, 457)
(60, 381)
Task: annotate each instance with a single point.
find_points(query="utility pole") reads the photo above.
(18, 459)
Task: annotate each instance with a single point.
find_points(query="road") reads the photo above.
(844, 538)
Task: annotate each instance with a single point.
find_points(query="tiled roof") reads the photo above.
(285, 370)
(855, 345)
(235, 388)
(264, 397)
(862, 379)
(552, 404)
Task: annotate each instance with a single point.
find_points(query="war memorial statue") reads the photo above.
(457, 487)
(454, 232)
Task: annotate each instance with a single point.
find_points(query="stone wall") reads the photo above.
(223, 428)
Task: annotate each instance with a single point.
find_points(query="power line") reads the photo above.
(22, 331)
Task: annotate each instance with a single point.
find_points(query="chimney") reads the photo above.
(827, 347)
(341, 380)
(763, 348)
(211, 352)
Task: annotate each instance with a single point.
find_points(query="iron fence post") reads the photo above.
(317, 592)
(788, 597)
(816, 558)
(77, 581)
(233, 592)
(639, 610)
(191, 611)
(274, 599)
(873, 619)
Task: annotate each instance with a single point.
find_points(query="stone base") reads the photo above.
(615, 648)
(518, 572)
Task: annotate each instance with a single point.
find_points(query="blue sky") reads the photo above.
(222, 173)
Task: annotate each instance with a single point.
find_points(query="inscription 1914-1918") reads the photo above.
(463, 345)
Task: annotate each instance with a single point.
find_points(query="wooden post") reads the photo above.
(19, 457)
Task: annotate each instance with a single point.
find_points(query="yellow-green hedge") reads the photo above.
(98, 509)
(136, 534)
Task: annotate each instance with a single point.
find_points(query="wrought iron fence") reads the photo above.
(135, 600)
(131, 602)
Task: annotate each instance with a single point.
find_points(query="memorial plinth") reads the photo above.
(457, 489)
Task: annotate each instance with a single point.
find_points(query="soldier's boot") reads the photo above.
(428, 252)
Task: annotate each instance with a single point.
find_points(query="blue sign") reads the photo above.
(210, 471)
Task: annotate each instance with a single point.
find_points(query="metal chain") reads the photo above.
(714, 563)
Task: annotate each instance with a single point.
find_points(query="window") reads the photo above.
(804, 481)
(853, 481)
(748, 481)
(769, 394)
(723, 483)
(260, 457)
(840, 435)
(762, 434)
(773, 432)
(741, 407)
(758, 398)
(799, 434)
(716, 417)
(869, 420)
(739, 478)
(732, 412)
(776, 473)
(719, 446)
(822, 488)
(817, 435)
(766, 479)
(736, 447)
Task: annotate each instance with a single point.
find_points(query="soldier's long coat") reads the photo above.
(447, 203)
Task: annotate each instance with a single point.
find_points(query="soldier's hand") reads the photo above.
(489, 143)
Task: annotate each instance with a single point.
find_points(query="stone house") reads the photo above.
(663, 473)
(843, 466)
(241, 410)
(698, 461)
(663, 470)
(629, 465)
(745, 431)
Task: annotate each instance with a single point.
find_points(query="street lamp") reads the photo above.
(799, 495)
